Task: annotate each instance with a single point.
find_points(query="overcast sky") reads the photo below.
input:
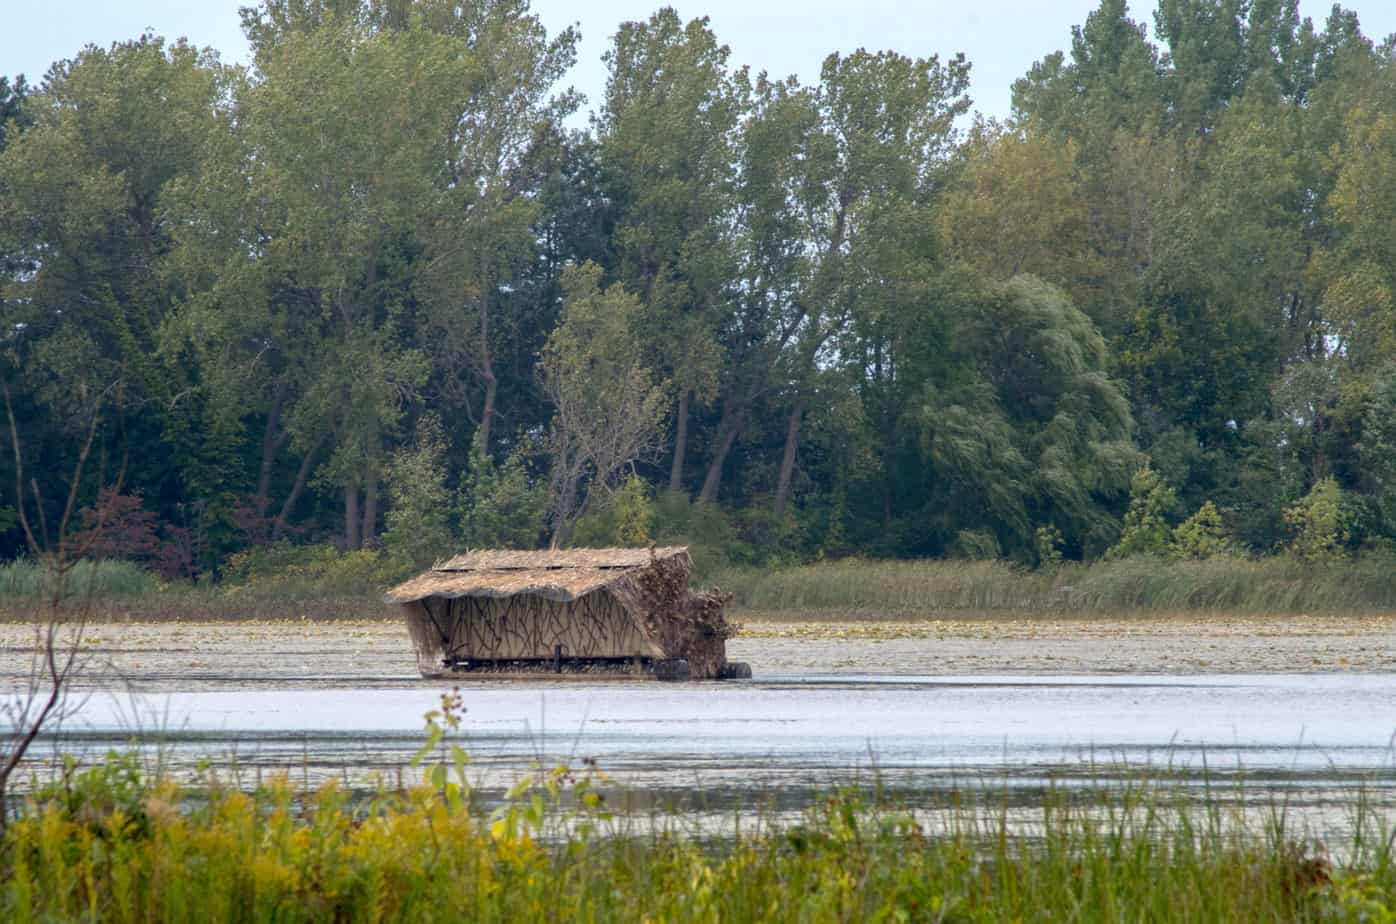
(1000, 37)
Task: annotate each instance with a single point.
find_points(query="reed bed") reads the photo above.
(121, 591)
(197, 604)
(852, 589)
(27, 579)
(103, 845)
(902, 589)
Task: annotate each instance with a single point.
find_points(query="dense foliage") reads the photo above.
(373, 289)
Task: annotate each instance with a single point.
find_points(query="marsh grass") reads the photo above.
(105, 844)
(280, 582)
(123, 592)
(194, 604)
(351, 587)
(24, 578)
(860, 588)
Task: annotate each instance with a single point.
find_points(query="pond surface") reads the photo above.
(1320, 737)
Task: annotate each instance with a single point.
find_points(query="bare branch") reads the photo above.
(71, 504)
(34, 547)
(44, 701)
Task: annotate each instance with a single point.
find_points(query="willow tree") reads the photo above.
(1018, 424)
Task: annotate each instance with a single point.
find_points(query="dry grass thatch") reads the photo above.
(562, 576)
(559, 586)
(558, 560)
(645, 590)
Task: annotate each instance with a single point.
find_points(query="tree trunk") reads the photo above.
(283, 519)
(487, 415)
(486, 360)
(369, 534)
(271, 445)
(680, 444)
(562, 526)
(351, 517)
(888, 452)
(713, 481)
(787, 461)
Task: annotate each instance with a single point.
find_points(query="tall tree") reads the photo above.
(788, 160)
(340, 156)
(667, 131)
(893, 121)
(1017, 207)
(834, 180)
(85, 188)
(14, 115)
(506, 139)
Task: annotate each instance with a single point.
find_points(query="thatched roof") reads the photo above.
(496, 560)
(563, 575)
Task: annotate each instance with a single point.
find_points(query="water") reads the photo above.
(1320, 735)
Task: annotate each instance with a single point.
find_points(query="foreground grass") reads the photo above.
(901, 589)
(104, 846)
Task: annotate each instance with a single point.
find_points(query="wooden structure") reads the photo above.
(609, 612)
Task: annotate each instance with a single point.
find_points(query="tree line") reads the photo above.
(376, 289)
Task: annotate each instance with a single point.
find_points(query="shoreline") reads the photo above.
(200, 654)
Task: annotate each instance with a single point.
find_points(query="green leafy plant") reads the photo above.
(976, 545)
(123, 847)
(500, 505)
(625, 518)
(447, 775)
(1048, 540)
(1319, 524)
(1146, 530)
(1201, 536)
(419, 519)
(310, 569)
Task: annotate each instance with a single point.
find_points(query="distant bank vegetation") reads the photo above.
(339, 585)
(374, 291)
(1160, 562)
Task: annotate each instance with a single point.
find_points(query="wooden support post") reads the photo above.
(557, 659)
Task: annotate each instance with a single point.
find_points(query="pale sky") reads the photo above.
(1000, 37)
